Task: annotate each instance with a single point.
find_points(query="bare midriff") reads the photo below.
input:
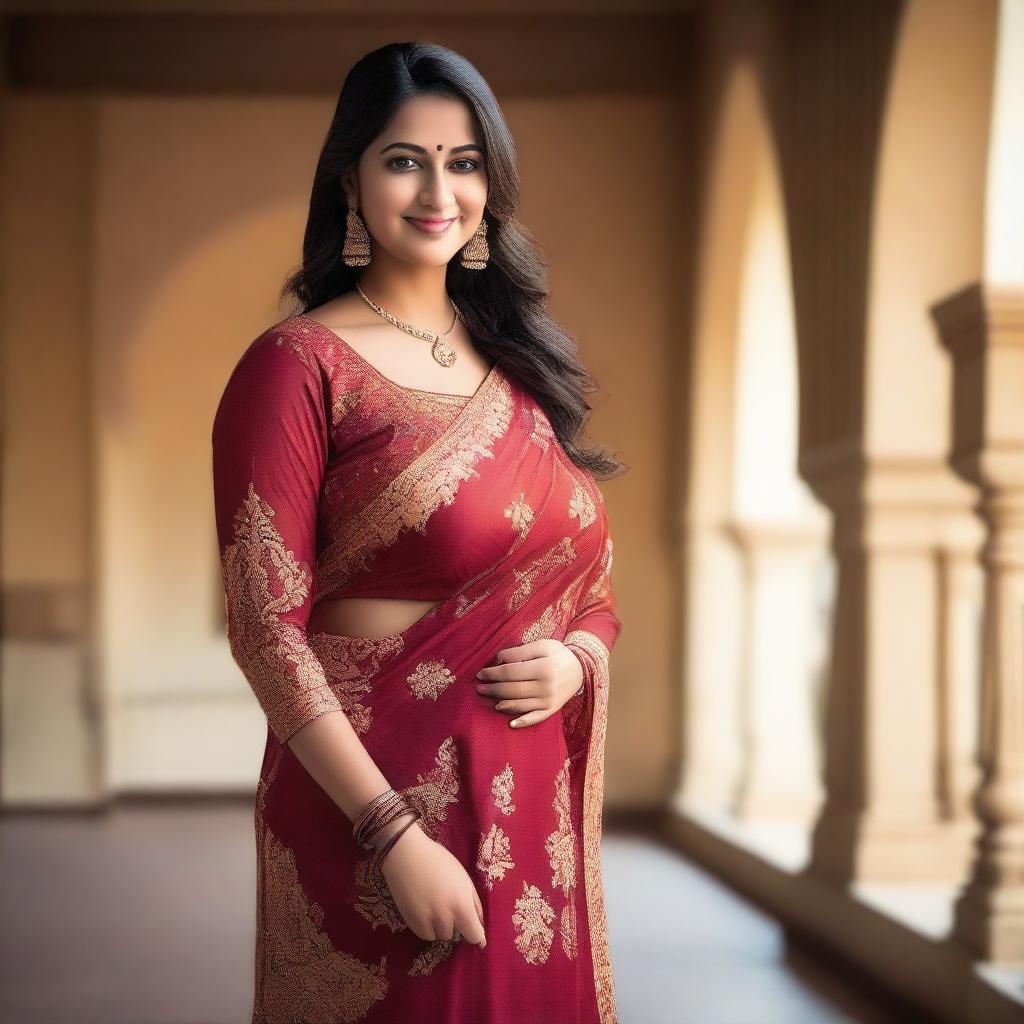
(370, 617)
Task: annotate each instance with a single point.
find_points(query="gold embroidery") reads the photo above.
(438, 788)
(430, 796)
(561, 844)
(407, 412)
(300, 973)
(541, 567)
(567, 928)
(520, 514)
(300, 350)
(374, 900)
(542, 628)
(582, 505)
(493, 857)
(350, 663)
(408, 501)
(345, 401)
(593, 795)
(599, 588)
(463, 604)
(431, 955)
(532, 918)
(432, 403)
(571, 597)
(501, 786)
(547, 624)
(561, 849)
(430, 679)
(273, 653)
(354, 657)
(541, 428)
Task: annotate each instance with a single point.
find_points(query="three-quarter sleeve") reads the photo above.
(270, 439)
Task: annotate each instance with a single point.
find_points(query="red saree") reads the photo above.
(331, 480)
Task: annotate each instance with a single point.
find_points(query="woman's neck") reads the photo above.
(416, 294)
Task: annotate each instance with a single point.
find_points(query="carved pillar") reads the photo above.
(983, 328)
(961, 584)
(783, 644)
(896, 522)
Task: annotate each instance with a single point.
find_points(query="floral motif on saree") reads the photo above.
(430, 679)
(520, 514)
(533, 919)
(582, 507)
(502, 786)
(494, 858)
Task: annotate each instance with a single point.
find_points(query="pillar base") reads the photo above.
(990, 922)
(847, 847)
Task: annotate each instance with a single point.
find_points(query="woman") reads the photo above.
(411, 535)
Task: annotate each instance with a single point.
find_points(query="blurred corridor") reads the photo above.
(789, 237)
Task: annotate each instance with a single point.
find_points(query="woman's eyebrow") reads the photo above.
(422, 149)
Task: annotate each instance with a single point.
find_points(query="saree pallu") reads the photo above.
(304, 514)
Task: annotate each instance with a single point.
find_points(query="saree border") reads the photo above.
(593, 799)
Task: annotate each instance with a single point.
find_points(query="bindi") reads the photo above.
(439, 146)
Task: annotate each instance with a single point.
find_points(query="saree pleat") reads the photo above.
(329, 481)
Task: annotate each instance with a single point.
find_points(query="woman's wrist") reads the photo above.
(383, 834)
(583, 669)
(414, 830)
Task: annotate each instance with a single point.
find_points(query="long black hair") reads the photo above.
(503, 305)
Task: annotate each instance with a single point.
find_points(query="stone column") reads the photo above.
(785, 647)
(883, 819)
(959, 670)
(983, 328)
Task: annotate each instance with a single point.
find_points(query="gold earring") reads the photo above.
(356, 250)
(476, 251)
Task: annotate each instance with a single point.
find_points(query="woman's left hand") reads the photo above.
(536, 678)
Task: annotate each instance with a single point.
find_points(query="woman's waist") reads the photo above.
(369, 615)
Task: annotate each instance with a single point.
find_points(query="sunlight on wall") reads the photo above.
(1004, 242)
(766, 482)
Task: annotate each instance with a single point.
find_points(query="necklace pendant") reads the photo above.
(443, 352)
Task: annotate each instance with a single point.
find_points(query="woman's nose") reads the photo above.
(438, 193)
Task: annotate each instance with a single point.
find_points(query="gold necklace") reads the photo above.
(440, 350)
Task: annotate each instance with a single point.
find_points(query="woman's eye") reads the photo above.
(465, 160)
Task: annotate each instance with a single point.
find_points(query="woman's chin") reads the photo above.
(434, 258)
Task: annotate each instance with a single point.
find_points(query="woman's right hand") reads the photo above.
(432, 890)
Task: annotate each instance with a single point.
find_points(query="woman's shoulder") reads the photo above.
(291, 340)
(277, 376)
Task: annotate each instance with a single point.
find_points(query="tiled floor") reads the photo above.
(145, 916)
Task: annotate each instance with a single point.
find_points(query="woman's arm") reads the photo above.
(331, 751)
(591, 635)
(595, 627)
(270, 437)
(270, 445)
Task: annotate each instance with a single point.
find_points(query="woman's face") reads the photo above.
(428, 163)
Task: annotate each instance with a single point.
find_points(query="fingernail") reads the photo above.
(480, 674)
(515, 721)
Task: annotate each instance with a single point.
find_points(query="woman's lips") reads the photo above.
(432, 227)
